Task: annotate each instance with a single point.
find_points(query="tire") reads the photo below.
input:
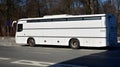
(31, 42)
(74, 43)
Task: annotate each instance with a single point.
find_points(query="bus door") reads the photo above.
(111, 30)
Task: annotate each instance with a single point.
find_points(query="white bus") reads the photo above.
(98, 30)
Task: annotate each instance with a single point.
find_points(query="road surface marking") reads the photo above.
(34, 63)
(40, 63)
(43, 64)
(3, 58)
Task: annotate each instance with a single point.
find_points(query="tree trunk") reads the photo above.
(92, 6)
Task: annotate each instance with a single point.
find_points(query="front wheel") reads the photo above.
(31, 42)
(74, 43)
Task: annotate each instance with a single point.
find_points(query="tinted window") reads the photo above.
(84, 18)
(64, 19)
(39, 20)
(92, 18)
(75, 19)
(46, 20)
(60, 19)
(30, 21)
(20, 27)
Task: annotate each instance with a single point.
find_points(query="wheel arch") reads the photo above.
(74, 39)
(29, 39)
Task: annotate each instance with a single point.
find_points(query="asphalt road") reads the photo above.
(43, 56)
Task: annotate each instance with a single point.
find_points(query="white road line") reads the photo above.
(33, 63)
(43, 64)
(3, 58)
(40, 63)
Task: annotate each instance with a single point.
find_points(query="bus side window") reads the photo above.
(20, 27)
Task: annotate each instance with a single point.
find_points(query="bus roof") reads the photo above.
(62, 16)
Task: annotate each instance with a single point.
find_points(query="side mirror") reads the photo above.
(14, 22)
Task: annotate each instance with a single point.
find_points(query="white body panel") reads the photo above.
(90, 33)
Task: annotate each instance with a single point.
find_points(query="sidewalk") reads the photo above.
(7, 41)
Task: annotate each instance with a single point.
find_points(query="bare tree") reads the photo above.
(32, 8)
(15, 9)
(92, 6)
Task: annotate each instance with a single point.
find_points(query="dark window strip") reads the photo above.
(65, 19)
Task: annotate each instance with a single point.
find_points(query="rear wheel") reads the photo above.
(74, 43)
(31, 42)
